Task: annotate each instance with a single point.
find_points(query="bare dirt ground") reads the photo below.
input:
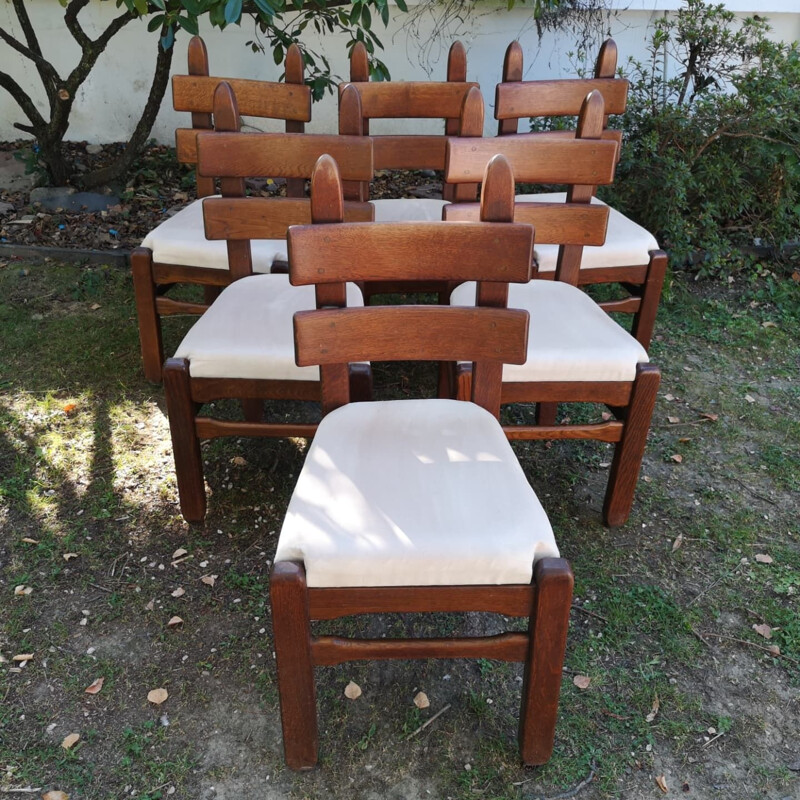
(685, 622)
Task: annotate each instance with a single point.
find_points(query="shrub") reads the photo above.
(711, 157)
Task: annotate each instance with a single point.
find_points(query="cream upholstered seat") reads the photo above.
(413, 493)
(571, 338)
(627, 244)
(181, 239)
(413, 209)
(247, 332)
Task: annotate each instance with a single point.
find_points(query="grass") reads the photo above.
(665, 607)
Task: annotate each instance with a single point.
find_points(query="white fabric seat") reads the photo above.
(627, 244)
(413, 493)
(248, 331)
(409, 209)
(181, 240)
(570, 337)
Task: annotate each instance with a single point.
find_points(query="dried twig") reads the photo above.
(570, 792)
(590, 613)
(27, 790)
(425, 725)
(710, 741)
(752, 644)
(101, 588)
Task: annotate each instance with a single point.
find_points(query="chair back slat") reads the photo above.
(557, 97)
(410, 251)
(266, 217)
(533, 159)
(409, 152)
(554, 223)
(286, 101)
(280, 154)
(411, 99)
(410, 333)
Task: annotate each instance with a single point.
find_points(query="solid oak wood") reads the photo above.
(553, 98)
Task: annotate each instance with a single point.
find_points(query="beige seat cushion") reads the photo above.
(410, 209)
(413, 493)
(627, 244)
(181, 240)
(248, 331)
(570, 337)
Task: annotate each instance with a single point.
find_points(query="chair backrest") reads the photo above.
(289, 101)
(493, 253)
(460, 103)
(516, 99)
(580, 163)
(232, 156)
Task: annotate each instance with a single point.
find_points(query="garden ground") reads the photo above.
(685, 623)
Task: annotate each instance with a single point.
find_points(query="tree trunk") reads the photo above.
(52, 156)
(139, 138)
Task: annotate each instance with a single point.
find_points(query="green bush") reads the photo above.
(711, 157)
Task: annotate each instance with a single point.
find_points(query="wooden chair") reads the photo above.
(176, 252)
(630, 255)
(242, 346)
(414, 505)
(576, 352)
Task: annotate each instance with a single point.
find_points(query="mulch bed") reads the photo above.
(157, 187)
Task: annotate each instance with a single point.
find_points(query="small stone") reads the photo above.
(94, 149)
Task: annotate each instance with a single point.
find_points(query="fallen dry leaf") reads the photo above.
(678, 542)
(69, 408)
(421, 700)
(151, 605)
(70, 740)
(768, 325)
(677, 458)
(352, 691)
(179, 552)
(179, 592)
(94, 306)
(654, 710)
(796, 276)
(238, 461)
(712, 417)
(28, 540)
(763, 630)
(684, 439)
(749, 398)
(69, 556)
(669, 397)
(661, 782)
(174, 622)
(582, 681)
(673, 420)
(22, 590)
(763, 558)
(22, 657)
(606, 416)
(55, 795)
(774, 649)
(209, 580)
(95, 686)
(157, 696)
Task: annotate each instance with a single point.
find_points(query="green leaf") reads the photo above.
(401, 4)
(140, 6)
(189, 24)
(168, 38)
(159, 4)
(265, 8)
(233, 11)
(277, 54)
(155, 23)
(366, 17)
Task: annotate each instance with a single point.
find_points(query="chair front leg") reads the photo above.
(548, 641)
(645, 318)
(182, 411)
(296, 689)
(546, 413)
(149, 321)
(629, 451)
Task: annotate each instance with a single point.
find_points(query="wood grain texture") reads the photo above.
(296, 687)
(411, 99)
(293, 66)
(457, 63)
(533, 159)
(553, 98)
(181, 410)
(601, 431)
(266, 217)
(606, 64)
(645, 319)
(410, 251)
(331, 603)
(359, 63)
(429, 333)
(266, 99)
(204, 390)
(144, 289)
(409, 151)
(553, 223)
(279, 154)
(629, 452)
(331, 650)
(210, 428)
(542, 678)
(616, 393)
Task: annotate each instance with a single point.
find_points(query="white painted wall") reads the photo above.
(111, 100)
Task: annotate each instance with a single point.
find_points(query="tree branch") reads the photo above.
(47, 72)
(73, 26)
(112, 30)
(23, 101)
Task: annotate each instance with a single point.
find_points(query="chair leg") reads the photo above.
(546, 413)
(645, 319)
(361, 388)
(185, 444)
(548, 641)
(211, 293)
(296, 689)
(463, 382)
(253, 409)
(149, 320)
(630, 449)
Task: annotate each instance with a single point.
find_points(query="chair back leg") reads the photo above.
(296, 687)
(629, 451)
(149, 321)
(548, 641)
